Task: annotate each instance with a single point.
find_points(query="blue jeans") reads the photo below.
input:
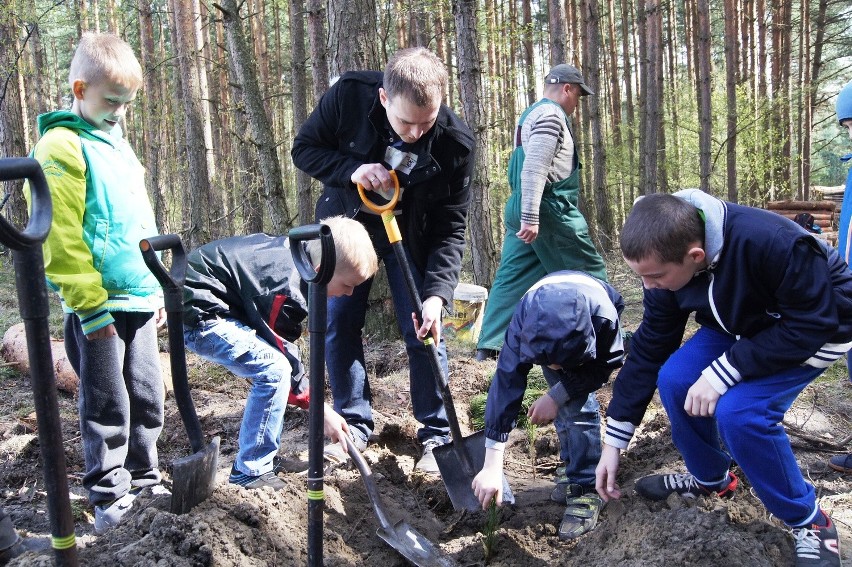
(578, 426)
(236, 347)
(747, 419)
(344, 353)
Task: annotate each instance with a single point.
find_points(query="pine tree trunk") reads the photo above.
(731, 68)
(300, 104)
(198, 206)
(12, 127)
(703, 92)
(260, 130)
(480, 226)
(528, 54)
(151, 143)
(352, 36)
(556, 13)
(318, 47)
(604, 225)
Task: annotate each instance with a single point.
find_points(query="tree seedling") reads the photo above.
(489, 531)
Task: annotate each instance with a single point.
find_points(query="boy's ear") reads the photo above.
(697, 255)
(78, 87)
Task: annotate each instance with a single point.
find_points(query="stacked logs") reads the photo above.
(824, 213)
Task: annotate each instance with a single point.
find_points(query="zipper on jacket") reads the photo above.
(713, 303)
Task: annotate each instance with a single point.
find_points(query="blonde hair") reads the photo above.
(416, 74)
(104, 56)
(352, 246)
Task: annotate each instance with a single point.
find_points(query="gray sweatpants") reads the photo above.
(121, 397)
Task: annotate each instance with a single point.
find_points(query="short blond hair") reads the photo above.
(352, 246)
(416, 74)
(104, 56)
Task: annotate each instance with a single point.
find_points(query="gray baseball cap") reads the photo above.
(568, 74)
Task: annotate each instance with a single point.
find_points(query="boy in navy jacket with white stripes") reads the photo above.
(775, 308)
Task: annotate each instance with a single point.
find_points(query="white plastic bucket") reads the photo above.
(465, 321)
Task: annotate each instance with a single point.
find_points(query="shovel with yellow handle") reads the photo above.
(462, 458)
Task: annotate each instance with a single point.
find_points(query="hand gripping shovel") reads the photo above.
(32, 300)
(400, 536)
(193, 477)
(460, 460)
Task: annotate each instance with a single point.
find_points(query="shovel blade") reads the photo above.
(194, 478)
(414, 546)
(458, 478)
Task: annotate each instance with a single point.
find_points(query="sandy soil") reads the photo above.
(236, 527)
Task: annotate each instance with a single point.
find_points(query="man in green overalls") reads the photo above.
(545, 231)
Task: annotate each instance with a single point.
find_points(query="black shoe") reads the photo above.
(483, 354)
(269, 479)
(565, 489)
(661, 486)
(817, 546)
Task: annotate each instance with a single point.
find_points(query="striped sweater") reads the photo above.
(548, 154)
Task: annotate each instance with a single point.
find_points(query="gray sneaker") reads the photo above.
(109, 515)
(427, 463)
(817, 546)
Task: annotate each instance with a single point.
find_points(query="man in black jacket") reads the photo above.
(366, 124)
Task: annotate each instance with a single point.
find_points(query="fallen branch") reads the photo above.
(816, 442)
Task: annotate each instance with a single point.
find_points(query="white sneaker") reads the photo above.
(427, 463)
(109, 515)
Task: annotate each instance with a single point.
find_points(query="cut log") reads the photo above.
(14, 352)
(820, 222)
(801, 205)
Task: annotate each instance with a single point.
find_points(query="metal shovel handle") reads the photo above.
(42, 207)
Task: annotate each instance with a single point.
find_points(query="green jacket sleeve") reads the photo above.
(68, 261)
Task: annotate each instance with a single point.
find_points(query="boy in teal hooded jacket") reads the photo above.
(112, 302)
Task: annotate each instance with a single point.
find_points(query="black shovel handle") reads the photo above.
(33, 304)
(172, 282)
(42, 207)
(301, 234)
(317, 277)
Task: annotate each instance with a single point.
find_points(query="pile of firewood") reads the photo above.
(824, 213)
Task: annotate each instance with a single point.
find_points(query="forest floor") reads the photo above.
(236, 527)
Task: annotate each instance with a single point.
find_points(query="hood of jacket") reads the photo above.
(62, 119)
(714, 212)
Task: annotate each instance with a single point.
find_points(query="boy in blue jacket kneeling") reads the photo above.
(568, 323)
